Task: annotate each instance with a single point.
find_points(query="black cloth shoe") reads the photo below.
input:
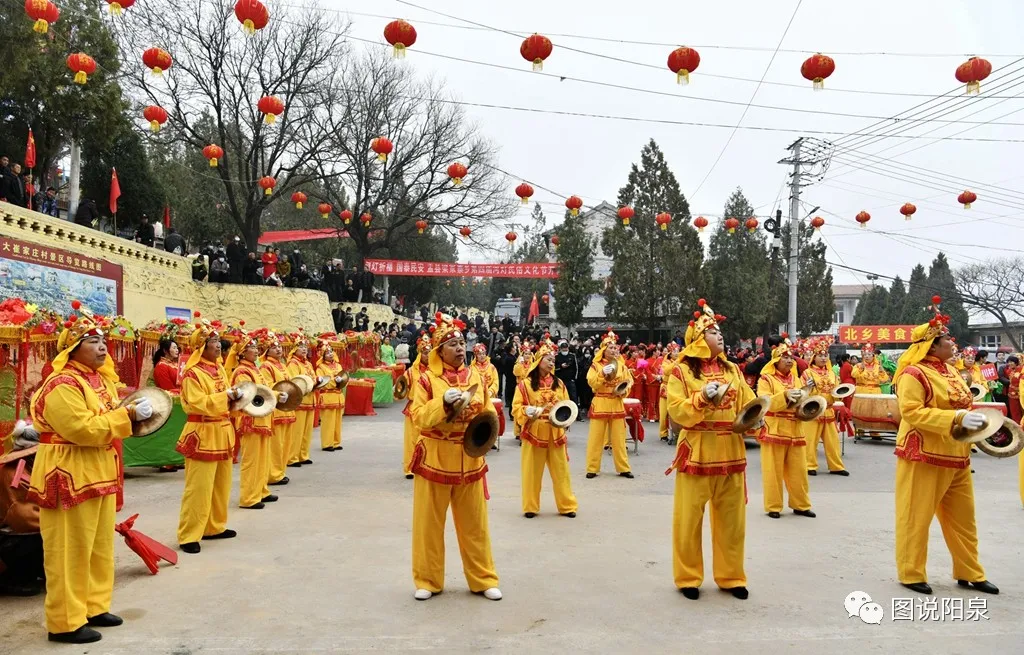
(105, 620)
(570, 515)
(804, 512)
(843, 473)
(739, 592)
(812, 473)
(984, 586)
(269, 499)
(530, 515)
(626, 474)
(693, 593)
(774, 515)
(295, 465)
(591, 476)
(328, 449)
(258, 505)
(307, 461)
(227, 534)
(191, 547)
(84, 635)
(919, 587)
(409, 476)
(339, 448)
(283, 480)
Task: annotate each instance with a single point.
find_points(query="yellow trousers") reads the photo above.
(784, 464)
(204, 503)
(280, 450)
(728, 529)
(78, 557)
(533, 460)
(829, 435)
(430, 503)
(663, 418)
(411, 433)
(602, 430)
(330, 428)
(922, 492)
(302, 436)
(255, 469)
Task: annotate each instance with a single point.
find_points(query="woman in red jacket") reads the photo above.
(165, 366)
(269, 262)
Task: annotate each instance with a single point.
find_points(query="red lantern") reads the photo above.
(366, 218)
(682, 61)
(156, 117)
(252, 14)
(536, 49)
(545, 299)
(421, 225)
(157, 60)
(751, 224)
(382, 147)
(863, 218)
(817, 222)
(457, 171)
(663, 219)
(298, 198)
(346, 216)
(43, 12)
(700, 223)
(573, 203)
(214, 153)
(626, 213)
(400, 35)
(511, 237)
(731, 224)
(817, 68)
(267, 183)
(908, 210)
(324, 209)
(83, 66)
(966, 198)
(117, 5)
(270, 107)
(972, 72)
(524, 191)
(465, 232)
(555, 240)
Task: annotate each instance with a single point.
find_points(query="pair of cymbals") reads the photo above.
(162, 404)
(460, 404)
(1000, 436)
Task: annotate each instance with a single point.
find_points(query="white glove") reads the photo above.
(710, 390)
(143, 409)
(451, 396)
(533, 411)
(608, 369)
(794, 395)
(811, 383)
(282, 397)
(974, 420)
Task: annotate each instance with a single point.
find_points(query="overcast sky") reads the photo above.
(591, 157)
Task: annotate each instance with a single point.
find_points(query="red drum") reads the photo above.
(500, 408)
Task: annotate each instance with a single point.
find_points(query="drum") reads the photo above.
(875, 413)
(500, 408)
(1000, 407)
(633, 417)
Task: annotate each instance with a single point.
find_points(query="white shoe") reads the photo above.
(423, 594)
(492, 594)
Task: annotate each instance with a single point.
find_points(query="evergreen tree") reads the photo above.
(872, 307)
(141, 191)
(736, 274)
(575, 283)
(655, 274)
(919, 298)
(815, 301)
(897, 300)
(942, 283)
(530, 247)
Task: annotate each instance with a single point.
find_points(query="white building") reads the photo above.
(847, 298)
(596, 221)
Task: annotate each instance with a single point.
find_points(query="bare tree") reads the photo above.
(217, 78)
(996, 287)
(378, 97)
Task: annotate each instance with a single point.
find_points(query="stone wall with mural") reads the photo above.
(154, 280)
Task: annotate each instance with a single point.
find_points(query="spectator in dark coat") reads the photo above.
(174, 242)
(49, 203)
(145, 234)
(251, 270)
(567, 370)
(86, 213)
(199, 268)
(236, 260)
(12, 189)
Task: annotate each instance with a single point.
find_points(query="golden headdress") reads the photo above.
(298, 338)
(820, 346)
(609, 339)
(544, 348)
(922, 338)
(240, 340)
(445, 329)
(268, 339)
(703, 320)
(77, 328)
(204, 331)
(784, 348)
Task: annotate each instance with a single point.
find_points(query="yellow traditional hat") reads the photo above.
(544, 348)
(445, 329)
(784, 348)
(703, 320)
(609, 339)
(268, 339)
(298, 338)
(922, 338)
(204, 331)
(77, 328)
(240, 340)
(821, 345)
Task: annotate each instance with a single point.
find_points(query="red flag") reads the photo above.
(115, 191)
(30, 151)
(167, 216)
(534, 309)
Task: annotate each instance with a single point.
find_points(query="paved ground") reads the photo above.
(327, 569)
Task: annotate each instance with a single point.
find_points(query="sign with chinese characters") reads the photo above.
(446, 269)
(853, 334)
(53, 278)
(989, 372)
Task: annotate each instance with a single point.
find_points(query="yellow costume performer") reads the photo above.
(710, 461)
(331, 398)
(519, 370)
(671, 354)
(207, 441)
(412, 374)
(254, 433)
(869, 374)
(281, 442)
(75, 479)
(823, 429)
(445, 474)
(933, 470)
(302, 430)
(488, 373)
(543, 444)
(783, 447)
(607, 412)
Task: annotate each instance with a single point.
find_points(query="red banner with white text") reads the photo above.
(446, 269)
(875, 333)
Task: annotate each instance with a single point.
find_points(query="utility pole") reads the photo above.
(774, 227)
(76, 173)
(794, 233)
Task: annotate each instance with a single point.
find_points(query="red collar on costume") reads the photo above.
(820, 369)
(710, 366)
(546, 381)
(94, 379)
(455, 376)
(788, 379)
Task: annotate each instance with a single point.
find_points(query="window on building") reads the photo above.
(989, 341)
(840, 316)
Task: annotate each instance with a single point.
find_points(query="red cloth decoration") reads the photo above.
(150, 550)
(359, 398)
